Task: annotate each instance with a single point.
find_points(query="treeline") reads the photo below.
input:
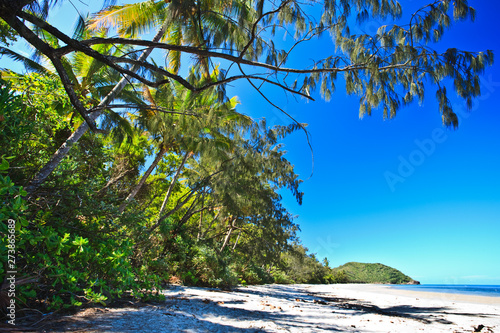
(205, 212)
(184, 196)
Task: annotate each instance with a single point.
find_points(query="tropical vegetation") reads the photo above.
(123, 175)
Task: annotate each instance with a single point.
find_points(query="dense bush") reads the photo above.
(76, 245)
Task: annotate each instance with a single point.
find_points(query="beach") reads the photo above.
(294, 308)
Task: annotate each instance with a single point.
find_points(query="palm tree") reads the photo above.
(207, 24)
(114, 92)
(204, 24)
(184, 122)
(131, 20)
(90, 78)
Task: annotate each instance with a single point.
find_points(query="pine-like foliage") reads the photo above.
(388, 69)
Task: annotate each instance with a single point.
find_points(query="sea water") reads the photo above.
(479, 290)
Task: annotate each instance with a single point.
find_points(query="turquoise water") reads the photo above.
(480, 290)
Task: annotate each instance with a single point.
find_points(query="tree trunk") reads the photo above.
(201, 220)
(226, 240)
(82, 129)
(176, 208)
(143, 179)
(237, 239)
(172, 183)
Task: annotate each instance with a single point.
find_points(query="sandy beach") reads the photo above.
(295, 308)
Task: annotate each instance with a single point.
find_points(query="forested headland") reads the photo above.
(123, 175)
(357, 272)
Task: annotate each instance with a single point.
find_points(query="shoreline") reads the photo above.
(293, 308)
(456, 297)
(432, 295)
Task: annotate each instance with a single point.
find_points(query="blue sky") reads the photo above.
(440, 221)
(405, 192)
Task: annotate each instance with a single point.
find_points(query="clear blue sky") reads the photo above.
(440, 221)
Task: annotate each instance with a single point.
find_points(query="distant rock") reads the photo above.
(413, 282)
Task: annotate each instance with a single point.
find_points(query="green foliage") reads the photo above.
(11, 211)
(297, 266)
(355, 272)
(7, 34)
(339, 276)
(12, 202)
(281, 277)
(34, 123)
(213, 268)
(75, 245)
(210, 213)
(75, 251)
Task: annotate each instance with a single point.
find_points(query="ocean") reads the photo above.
(479, 290)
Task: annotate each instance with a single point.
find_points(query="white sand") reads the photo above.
(299, 308)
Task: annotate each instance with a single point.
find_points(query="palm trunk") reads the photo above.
(237, 239)
(226, 240)
(176, 208)
(82, 129)
(228, 236)
(200, 221)
(172, 183)
(136, 189)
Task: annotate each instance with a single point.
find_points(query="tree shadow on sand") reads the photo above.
(191, 315)
(189, 311)
(426, 315)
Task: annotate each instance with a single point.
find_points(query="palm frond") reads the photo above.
(69, 70)
(29, 64)
(121, 129)
(80, 28)
(130, 20)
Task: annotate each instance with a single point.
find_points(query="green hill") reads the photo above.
(356, 272)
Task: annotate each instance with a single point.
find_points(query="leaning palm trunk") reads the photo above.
(236, 242)
(172, 183)
(82, 129)
(228, 235)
